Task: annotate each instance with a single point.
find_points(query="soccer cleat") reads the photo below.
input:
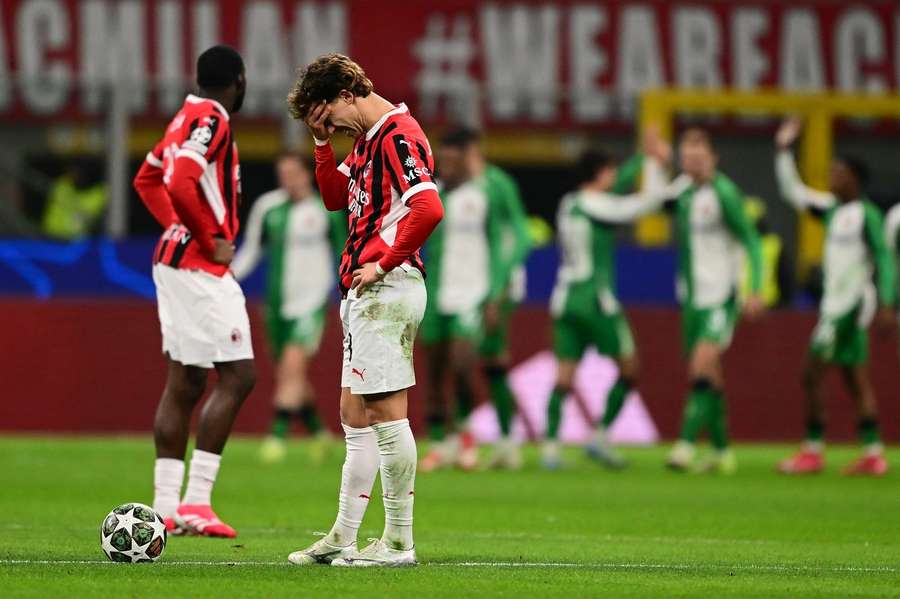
(803, 462)
(467, 454)
(550, 455)
(319, 446)
(321, 552)
(440, 455)
(681, 457)
(172, 528)
(602, 452)
(202, 520)
(868, 465)
(719, 462)
(378, 555)
(507, 456)
(273, 450)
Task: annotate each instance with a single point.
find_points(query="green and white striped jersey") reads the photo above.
(713, 232)
(586, 223)
(892, 237)
(301, 240)
(854, 242)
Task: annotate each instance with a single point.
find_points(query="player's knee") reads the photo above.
(187, 385)
(629, 370)
(239, 377)
(702, 383)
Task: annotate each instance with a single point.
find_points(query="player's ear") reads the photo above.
(347, 96)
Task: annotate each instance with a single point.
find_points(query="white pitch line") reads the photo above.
(570, 565)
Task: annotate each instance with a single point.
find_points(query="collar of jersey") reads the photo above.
(401, 108)
(192, 99)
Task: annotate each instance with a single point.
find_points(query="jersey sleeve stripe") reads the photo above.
(195, 156)
(213, 196)
(344, 169)
(153, 160)
(418, 187)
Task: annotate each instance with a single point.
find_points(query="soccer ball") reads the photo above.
(132, 533)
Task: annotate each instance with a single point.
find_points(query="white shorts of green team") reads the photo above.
(203, 317)
(380, 326)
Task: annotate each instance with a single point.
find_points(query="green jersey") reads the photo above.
(892, 237)
(514, 223)
(465, 261)
(854, 243)
(713, 235)
(301, 240)
(586, 231)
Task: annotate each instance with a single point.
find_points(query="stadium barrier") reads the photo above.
(94, 366)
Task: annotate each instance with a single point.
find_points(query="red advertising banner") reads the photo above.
(556, 64)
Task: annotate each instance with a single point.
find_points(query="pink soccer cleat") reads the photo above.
(803, 462)
(868, 465)
(202, 520)
(172, 529)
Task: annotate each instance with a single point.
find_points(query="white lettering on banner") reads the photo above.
(521, 54)
(859, 41)
(42, 27)
(589, 62)
(445, 56)
(169, 55)
(265, 57)
(113, 52)
(205, 27)
(319, 29)
(749, 63)
(698, 48)
(801, 52)
(640, 63)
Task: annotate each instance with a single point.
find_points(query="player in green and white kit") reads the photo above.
(468, 275)
(584, 306)
(712, 230)
(892, 237)
(301, 239)
(854, 248)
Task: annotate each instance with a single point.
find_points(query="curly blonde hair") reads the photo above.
(323, 79)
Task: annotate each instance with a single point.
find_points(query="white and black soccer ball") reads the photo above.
(133, 533)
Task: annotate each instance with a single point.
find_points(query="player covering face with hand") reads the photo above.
(584, 306)
(386, 185)
(190, 184)
(854, 247)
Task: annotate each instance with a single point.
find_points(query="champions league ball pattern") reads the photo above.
(133, 533)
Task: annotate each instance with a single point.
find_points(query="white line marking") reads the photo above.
(573, 565)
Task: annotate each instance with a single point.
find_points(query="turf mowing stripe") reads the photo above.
(574, 565)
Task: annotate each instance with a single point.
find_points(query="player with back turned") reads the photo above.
(190, 182)
(386, 184)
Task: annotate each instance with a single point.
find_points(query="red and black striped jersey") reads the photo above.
(387, 166)
(197, 163)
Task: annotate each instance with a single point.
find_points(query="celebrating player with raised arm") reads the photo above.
(190, 183)
(712, 229)
(585, 309)
(854, 245)
(291, 226)
(386, 183)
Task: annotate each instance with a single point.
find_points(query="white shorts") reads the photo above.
(203, 317)
(380, 327)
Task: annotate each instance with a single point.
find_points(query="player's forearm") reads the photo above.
(150, 188)
(425, 213)
(332, 183)
(184, 189)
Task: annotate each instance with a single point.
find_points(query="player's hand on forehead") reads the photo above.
(317, 121)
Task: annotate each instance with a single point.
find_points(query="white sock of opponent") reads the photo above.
(397, 447)
(201, 477)
(168, 476)
(357, 479)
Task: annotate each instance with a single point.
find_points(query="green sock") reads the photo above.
(615, 399)
(695, 414)
(502, 397)
(554, 412)
(310, 418)
(868, 431)
(815, 430)
(281, 423)
(464, 400)
(436, 427)
(718, 419)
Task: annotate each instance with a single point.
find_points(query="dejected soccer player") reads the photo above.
(190, 182)
(854, 247)
(386, 184)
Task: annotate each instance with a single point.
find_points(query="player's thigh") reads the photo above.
(353, 409)
(612, 335)
(386, 407)
(565, 373)
(705, 361)
(569, 338)
(293, 363)
(494, 346)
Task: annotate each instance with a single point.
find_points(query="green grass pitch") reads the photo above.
(578, 532)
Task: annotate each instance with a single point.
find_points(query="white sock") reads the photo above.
(202, 477)
(168, 475)
(397, 447)
(357, 479)
(813, 446)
